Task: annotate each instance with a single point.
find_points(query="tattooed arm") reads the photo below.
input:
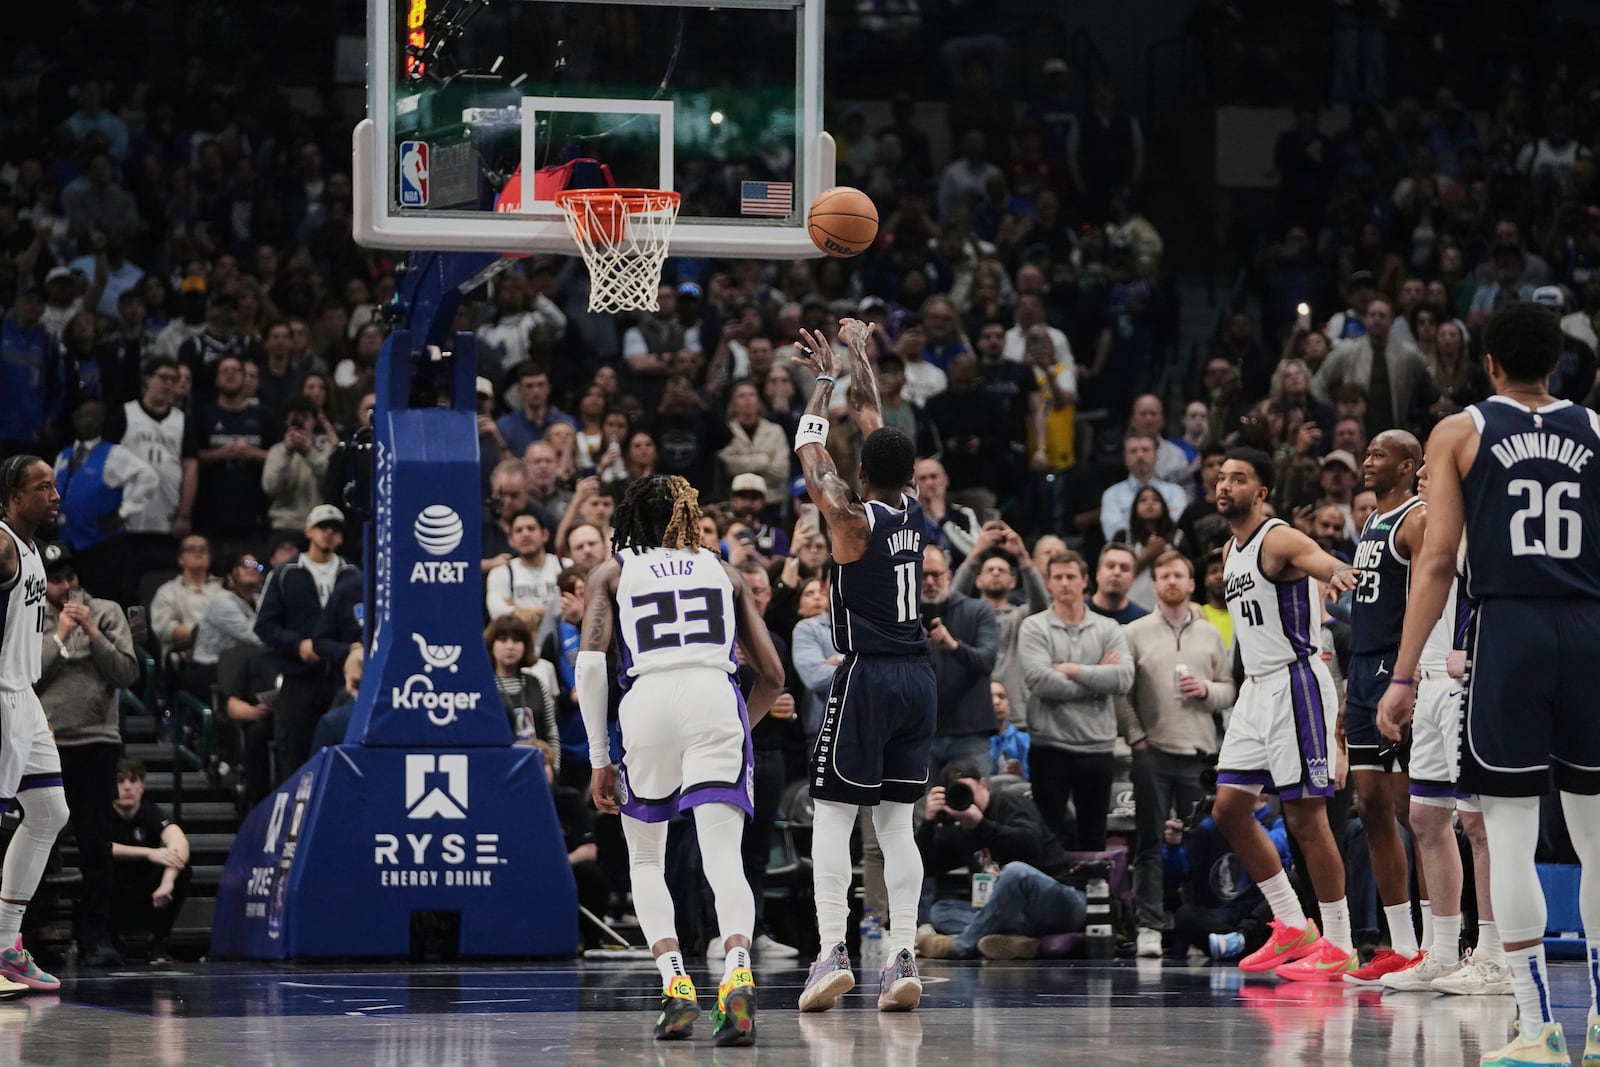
(838, 503)
(864, 402)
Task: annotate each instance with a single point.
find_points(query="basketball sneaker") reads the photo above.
(1476, 978)
(830, 978)
(678, 1010)
(1327, 964)
(899, 985)
(1286, 945)
(733, 1020)
(1008, 947)
(1591, 1043)
(1531, 1047)
(16, 965)
(1229, 946)
(768, 949)
(1384, 963)
(1420, 976)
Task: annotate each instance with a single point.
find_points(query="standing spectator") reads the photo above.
(545, 490)
(1202, 528)
(233, 434)
(965, 640)
(758, 446)
(89, 659)
(534, 414)
(295, 469)
(280, 375)
(1139, 451)
(991, 572)
(952, 527)
(964, 181)
(1007, 383)
(221, 337)
(526, 585)
(229, 621)
(1073, 662)
(688, 432)
(158, 432)
(152, 874)
(1113, 579)
(815, 656)
(1148, 416)
(924, 381)
(101, 485)
(1392, 372)
(1105, 152)
(181, 601)
(651, 346)
(975, 435)
(1215, 607)
(524, 323)
(1030, 315)
(291, 605)
(1182, 680)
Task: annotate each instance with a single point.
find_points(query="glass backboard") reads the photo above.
(477, 110)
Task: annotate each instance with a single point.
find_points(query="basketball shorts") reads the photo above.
(685, 742)
(1281, 735)
(1532, 703)
(28, 756)
(1368, 679)
(876, 732)
(1435, 738)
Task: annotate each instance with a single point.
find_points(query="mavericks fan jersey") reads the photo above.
(21, 618)
(1378, 609)
(1532, 502)
(1275, 624)
(674, 609)
(159, 442)
(877, 599)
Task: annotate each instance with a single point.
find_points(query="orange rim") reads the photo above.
(599, 214)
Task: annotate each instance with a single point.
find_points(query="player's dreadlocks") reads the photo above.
(658, 511)
(12, 472)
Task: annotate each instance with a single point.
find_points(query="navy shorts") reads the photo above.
(1532, 703)
(877, 731)
(1369, 750)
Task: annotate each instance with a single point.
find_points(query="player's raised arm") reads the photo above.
(759, 650)
(1287, 547)
(594, 694)
(838, 503)
(865, 406)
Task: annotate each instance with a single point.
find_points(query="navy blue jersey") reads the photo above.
(1378, 609)
(877, 599)
(1532, 502)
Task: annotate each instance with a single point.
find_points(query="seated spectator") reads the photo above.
(749, 498)
(758, 448)
(181, 602)
(1139, 451)
(1150, 532)
(229, 622)
(1027, 900)
(1227, 919)
(150, 880)
(1008, 748)
(332, 727)
(528, 685)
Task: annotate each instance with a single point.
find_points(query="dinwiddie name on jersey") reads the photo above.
(1520, 446)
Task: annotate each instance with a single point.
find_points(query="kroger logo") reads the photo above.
(437, 657)
(438, 530)
(418, 694)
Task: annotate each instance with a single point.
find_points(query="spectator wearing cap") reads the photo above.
(291, 607)
(526, 325)
(1340, 476)
(63, 298)
(1030, 313)
(534, 414)
(757, 447)
(749, 498)
(1393, 373)
(101, 484)
(1359, 289)
(1575, 369)
(295, 467)
(87, 658)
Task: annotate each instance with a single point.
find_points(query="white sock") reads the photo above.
(670, 964)
(1426, 907)
(1530, 981)
(1336, 924)
(1447, 937)
(1489, 949)
(1285, 904)
(737, 957)
(831, 826)
(1402, 937)
(10, 923)
(902, 873)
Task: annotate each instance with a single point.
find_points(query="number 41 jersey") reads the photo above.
(674, 609)
(1532, 502)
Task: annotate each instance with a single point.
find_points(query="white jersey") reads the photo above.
(674, 609)
(1275, 624)
(1442, 638)
(159, 442)
(22, 619)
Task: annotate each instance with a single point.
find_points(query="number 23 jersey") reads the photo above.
(674, 609)
(1532, 502)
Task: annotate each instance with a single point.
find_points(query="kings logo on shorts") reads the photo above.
(413, 173)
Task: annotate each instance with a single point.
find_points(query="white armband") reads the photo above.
(813, 430)
(593, 697)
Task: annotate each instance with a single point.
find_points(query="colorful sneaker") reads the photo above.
(1229, 946)
(1476, 978)
(1286, 945)
(1545, 1044)
(16, 965)
(1421, 976)
(733, 1020)
(830, 979)
(899, 985)
(1591, 1042)
(678, 1010)
(1326, 964)
(1386, 962)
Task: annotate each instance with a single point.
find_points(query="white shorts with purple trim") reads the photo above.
(685, 742)
(28, 756)
(1436, 739)
(1281, 735)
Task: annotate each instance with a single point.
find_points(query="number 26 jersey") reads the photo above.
(1532, 502)
(674, 609)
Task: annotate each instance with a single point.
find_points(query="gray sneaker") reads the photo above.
(899, 986)
(830, 979)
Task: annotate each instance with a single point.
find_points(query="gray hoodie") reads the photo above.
(1078, 716)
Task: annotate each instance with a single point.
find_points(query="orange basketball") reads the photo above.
(842, 221)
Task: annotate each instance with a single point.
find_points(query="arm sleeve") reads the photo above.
(496, 588)
(593, 694)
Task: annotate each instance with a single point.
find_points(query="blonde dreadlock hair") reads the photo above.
(658, 511)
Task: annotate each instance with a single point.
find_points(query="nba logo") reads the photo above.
(413, 174)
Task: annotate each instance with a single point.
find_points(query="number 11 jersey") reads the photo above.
(674, 609)
(877, 599)
(1532, 502)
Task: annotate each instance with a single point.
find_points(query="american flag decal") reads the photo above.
(766, 198)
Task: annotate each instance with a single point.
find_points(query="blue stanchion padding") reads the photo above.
(339, 858)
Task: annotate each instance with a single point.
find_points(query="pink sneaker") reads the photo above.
(1327, 964)
(16, 964)
(1284, 946)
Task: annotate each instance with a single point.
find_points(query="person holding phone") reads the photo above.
(965, 636)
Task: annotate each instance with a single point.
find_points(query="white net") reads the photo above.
(623, 235)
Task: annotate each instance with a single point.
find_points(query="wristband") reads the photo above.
(1403, 681)
(813, 431)
(826, 378)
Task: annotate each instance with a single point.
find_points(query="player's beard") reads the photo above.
(1232, 508)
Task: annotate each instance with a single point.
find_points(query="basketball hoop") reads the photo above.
(623, 235)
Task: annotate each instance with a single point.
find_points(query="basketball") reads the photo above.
(842, 221)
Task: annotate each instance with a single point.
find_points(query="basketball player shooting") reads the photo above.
(1282, 731)
(878, 727)
(685, 730)
(30, 766)
(1516, 475)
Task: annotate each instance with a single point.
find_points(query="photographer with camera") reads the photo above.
(1182, 679)
(965, 640)
(1222, 912)
(966, 825)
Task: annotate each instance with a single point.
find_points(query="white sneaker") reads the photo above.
(1149, 944)
(766, 948)
(1476, 978)
(716, 950)
(1420, 977)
